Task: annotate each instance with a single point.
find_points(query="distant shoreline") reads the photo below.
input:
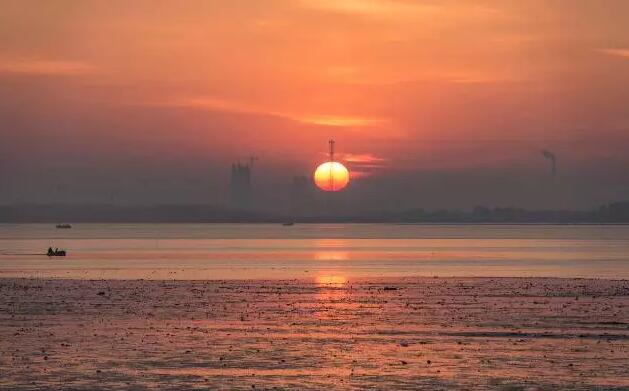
(328, 222)
(312, 280)
(614, 213)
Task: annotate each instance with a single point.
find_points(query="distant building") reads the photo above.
(240, 185)
(302, 195)
(618, 211)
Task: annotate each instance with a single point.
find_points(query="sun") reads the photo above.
(331, 176)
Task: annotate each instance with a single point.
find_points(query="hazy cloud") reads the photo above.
(616, 52)
(45, 67)
(233, 106)
(363, 165)
(380, 8)
(365, 158)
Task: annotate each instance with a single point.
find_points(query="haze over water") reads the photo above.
(328, 252)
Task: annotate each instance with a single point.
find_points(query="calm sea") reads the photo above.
(333, 251)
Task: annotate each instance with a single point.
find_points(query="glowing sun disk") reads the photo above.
(331, 176)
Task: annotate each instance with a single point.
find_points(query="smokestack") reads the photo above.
(553, 161)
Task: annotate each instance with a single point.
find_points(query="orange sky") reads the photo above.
(405, 85)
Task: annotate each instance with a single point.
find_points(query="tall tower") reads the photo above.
(240, 185)
(331, 149)
(553, 162)
(302, 196)
(332, 175)
(331, 178)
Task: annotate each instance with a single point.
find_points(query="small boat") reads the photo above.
(288, 224)
(56, 252)
(64, 226)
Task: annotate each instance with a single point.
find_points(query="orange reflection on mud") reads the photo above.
(332, 297)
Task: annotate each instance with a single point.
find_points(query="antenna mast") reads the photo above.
(331, 150)
(331, 164)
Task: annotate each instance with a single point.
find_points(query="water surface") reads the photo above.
(269, 251)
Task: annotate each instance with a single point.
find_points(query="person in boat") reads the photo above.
(56, 252)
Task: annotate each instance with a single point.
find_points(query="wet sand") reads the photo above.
(402, 333)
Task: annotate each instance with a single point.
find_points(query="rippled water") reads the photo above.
(244, 251)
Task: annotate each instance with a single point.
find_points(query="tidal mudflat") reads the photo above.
(328, 332)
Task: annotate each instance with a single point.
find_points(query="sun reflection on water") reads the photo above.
(331, 256)
(333, 280)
